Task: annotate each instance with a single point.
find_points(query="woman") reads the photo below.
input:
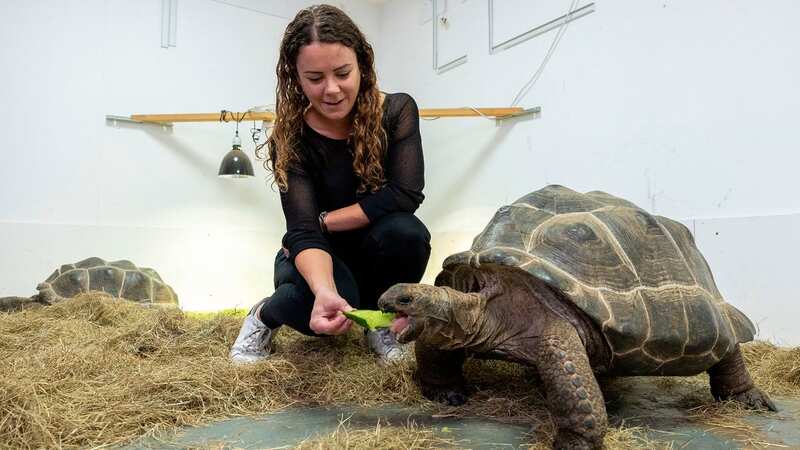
(347, 160)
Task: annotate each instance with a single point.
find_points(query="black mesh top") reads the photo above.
(325, 179)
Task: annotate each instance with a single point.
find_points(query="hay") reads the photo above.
(90, 372)
(727, 419)
(774, 369)
(413, 436)
(410, 436)
(95, 372)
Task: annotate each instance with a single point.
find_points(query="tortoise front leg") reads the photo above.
(573, 395)
(440, 374)
(730, 381)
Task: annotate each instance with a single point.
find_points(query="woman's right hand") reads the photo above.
(326, 316)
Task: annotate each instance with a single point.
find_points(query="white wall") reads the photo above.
(686, 108)
(75, 186)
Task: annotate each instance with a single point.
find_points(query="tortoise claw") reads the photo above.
(567, 440)
(453, 396)
(754, 398)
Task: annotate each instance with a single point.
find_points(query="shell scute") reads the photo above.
(628, 318)
(703, 319)
(511, 226)
(610, 200)
(504, 255)
(556, 199)
(163, 294)
(636, 362)
(72, 283)
(694, 259)
(591, 302)
(687, 365)
(123, 264)
(648, 247)
(89, 262)
(740, 324)
(668, 327)
(137, 286)
(53, 276)
(152, 273)
(106, 279)
(577, 245)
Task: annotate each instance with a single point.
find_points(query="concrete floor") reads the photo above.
(665, 413)
(633, 401)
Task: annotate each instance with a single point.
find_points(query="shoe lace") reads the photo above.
(387, 338)
(255, 341)
(389, 344)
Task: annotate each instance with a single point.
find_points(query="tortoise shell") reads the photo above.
(121, 279)
(640, 278)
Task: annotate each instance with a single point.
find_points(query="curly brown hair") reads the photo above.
(326, 24)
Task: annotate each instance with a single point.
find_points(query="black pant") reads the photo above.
(366, 262)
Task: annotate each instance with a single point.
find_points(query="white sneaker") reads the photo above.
(254, 342)
(384, 343)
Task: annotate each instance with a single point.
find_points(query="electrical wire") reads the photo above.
(234, 5)
(255, 132)
(465, 107)
(237, 117)
(561, 30)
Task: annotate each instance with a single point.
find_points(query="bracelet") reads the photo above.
(322, 225)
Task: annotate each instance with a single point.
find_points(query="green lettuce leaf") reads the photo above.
(370, 319)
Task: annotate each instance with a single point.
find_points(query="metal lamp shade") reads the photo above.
(236, 164)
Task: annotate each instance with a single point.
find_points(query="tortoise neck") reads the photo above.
(562, 308)
(515, 320)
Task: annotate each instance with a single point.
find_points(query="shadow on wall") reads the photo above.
(207, 166)
(440, 204)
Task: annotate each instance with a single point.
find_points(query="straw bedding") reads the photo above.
(93, 372)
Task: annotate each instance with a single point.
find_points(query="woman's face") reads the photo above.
(329, 77)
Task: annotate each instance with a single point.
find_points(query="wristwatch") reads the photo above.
(322, 225)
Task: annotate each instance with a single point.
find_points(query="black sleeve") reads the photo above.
(405, 168)
(302, 215)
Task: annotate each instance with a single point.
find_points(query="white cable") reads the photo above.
(234, 5)
(465, 107)
(266, 126)
(561, 30)
(479, 113)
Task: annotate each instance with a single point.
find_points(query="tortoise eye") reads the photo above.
(404, 301)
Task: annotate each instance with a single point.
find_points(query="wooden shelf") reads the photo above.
(168, 119)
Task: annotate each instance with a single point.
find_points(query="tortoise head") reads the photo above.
(440, 317)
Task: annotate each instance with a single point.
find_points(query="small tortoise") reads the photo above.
(576, 285)
(120, 279)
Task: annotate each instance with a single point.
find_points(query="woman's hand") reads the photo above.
(326, 316)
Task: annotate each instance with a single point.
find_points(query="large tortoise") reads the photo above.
(576, 285)
(120, 279)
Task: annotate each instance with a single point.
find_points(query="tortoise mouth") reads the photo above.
(406, 328)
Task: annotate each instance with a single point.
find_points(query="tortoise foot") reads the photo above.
(567, 440)
(453, 396)
(754, 398)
